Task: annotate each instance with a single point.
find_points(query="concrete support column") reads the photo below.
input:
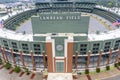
(13, 57)
(44, 59)
(5, 54)
(22, 59)
(76, 59)
(88, 61)
(49, 56)
(33, 61)
(69, 56)
(65, 64)
(54, 64)
(118, 56)
(99, 59)
(109, 58)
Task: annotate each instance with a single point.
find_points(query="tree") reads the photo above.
(8, 65)
(17, 69)
(110, 4)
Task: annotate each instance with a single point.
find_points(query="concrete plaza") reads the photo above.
(113, 74)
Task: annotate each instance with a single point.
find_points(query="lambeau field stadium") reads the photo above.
(61, 36)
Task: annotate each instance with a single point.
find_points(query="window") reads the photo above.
(57, 17)
(59, 66)
(37, 49)
(9, 56)
(75, 17)
(5, 43)
(40, 18)
(51, 17)
(14, 46)
(54, 17)
(18, 59)
(104, 59)
(83, 48)
(25, 48)
(43, 17)
(95, 48)
(61, 17)
(82, 62)
(93, 61)
(107, 46)
(39, 62)
(117, 43)
(28, 61)
(47, 17)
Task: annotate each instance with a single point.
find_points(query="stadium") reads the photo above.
(61, 37)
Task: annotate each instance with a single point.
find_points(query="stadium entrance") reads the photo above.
(60, 66)
(59, 53)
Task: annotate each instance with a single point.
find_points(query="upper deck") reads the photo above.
(98, 24)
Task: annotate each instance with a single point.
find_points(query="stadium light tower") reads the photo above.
(116, 3)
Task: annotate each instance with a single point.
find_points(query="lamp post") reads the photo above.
(76, 59)
(44, 60)
(116, 3)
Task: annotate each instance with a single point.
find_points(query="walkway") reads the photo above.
(104, 75)
(113, 74)
(9, 75)
(5, 74)
(60, 76)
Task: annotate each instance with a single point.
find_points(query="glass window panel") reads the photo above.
(5, 43)
(18, 60)
(39, 62)
(113, 57)
(82, 62)
(59, 66)
(28, 61)
(9, 56)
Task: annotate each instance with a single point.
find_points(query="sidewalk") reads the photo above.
(60, 76)
(106, 75)
(6, 75)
